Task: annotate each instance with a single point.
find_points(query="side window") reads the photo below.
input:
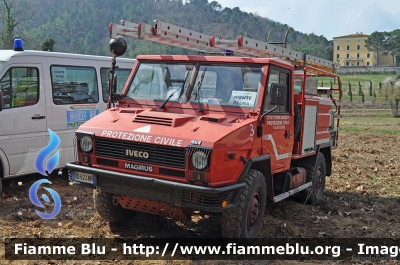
(122, 76)
(278, 85)
(20, 87)
(74, 85)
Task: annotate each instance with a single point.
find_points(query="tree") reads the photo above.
(199, 4)
(48, 45)
(215, 5)
(15, 14)
(392, 44)
(391, 91)
(376, 43)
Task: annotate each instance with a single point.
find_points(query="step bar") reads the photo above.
(285, 195)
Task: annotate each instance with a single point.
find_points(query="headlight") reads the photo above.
(200, 160)
(86, 143)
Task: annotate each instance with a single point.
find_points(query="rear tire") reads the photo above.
(104, 205)
(317, 175)
(246, 218)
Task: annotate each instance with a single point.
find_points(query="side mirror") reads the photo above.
(278, 94)
(115, 96)
(115, 83)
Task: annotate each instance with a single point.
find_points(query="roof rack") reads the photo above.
(166, 33)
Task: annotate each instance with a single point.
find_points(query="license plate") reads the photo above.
(84, 177)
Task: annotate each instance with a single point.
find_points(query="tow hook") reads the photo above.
(172, 212)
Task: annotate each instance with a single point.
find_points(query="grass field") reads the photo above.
(369, 121)
(355, 82)
(363, 79)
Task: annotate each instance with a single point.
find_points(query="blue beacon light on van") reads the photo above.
(18, 45)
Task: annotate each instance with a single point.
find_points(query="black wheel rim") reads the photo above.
(319, 180)
(254, 211)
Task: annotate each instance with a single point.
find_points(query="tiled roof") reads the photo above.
(357, 35)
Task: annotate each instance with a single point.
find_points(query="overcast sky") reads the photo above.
(326, 17)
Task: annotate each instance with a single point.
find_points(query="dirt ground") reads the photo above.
(362, 200)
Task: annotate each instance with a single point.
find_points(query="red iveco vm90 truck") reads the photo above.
(222, 134)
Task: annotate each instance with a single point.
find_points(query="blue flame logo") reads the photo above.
(50, 166)
(45, 152)
(35, 200)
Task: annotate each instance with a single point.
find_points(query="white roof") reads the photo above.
(7, 54)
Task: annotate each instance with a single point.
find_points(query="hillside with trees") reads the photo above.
(81, 26)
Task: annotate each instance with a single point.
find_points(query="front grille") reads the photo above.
(140, 152)
(107, 162)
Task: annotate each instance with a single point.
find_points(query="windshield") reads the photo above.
(227, 85)
(1, 63)
(157, 81)
(214, 85)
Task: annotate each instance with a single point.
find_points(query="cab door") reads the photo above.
(278, 129)
(73, 99)
(23, 120)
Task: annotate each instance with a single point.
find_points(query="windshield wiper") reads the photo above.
(198, 89)
(173, 93)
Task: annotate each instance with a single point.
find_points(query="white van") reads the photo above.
(41, 90)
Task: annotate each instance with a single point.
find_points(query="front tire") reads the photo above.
(246, 218)
(110, 212)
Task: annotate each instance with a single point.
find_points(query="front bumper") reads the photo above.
(173, 193)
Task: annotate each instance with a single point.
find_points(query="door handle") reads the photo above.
(38, 117)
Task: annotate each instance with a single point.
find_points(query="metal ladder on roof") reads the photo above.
(166, 33)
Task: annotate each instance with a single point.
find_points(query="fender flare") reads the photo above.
(260, 163)
(4, 164)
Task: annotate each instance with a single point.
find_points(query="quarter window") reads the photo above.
(74, 85)
(20, 87)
